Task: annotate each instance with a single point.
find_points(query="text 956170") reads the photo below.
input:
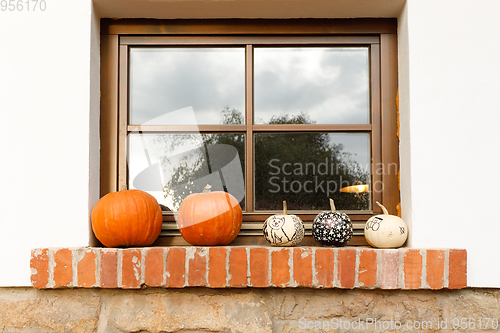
(23, 5)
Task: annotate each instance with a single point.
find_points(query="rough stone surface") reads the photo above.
(30, 310)
(155, 310)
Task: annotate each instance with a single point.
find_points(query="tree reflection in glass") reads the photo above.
(306, 169)
(179, 164)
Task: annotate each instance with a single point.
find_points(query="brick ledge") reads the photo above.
(251, 266)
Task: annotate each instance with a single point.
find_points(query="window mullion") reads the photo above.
(313, 128)
(249, 165)
(123, 115)
(187, 128)
(375, 120)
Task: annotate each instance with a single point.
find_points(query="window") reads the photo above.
(268, 110)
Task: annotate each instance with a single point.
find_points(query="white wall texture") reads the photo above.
(451, 109)
(449, 81)
(45, 152)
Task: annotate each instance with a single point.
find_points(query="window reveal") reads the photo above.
(297, 118)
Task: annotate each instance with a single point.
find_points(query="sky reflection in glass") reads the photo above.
(329, 85)
(164, 80)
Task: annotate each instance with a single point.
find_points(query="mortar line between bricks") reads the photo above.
(423, 278)
(356, 269)
(142, 279)
(401, 270)
(336, 278)
(51, 265)
(379, 268)
(249, 281)
(226, 266)
(119, 259)
(164, 277)
(269, 267)
(314, 279)
(446, 271)
(207, 267)
(188, 257)
(97, 253)
(76, 255)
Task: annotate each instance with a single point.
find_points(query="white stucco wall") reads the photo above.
(451, 112)
(449, 80)
(45, 81)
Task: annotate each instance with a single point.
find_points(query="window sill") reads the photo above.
(249, 266)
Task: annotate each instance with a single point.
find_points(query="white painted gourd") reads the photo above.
(283, 229)
(386, 231)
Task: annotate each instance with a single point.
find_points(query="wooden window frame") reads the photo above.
(117, 36)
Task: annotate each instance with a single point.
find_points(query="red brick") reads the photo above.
(259, 267)
(198, 268)
(86, 269)
(325, 265)
(131, 268)
(153, 267)
(435, 268)
(280, 269)
(237, 267)
(347, 267)
(109, 268)
(63, 272)
(302, 266)
(412, 269)
(176, 267)
(217, 267)
(39, 264)
(389, 277)
(458, 269)
(367, 268)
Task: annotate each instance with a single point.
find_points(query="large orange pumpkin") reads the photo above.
(210, 218)
(127, 218)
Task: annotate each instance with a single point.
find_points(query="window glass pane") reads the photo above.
(208, 81)
(322, 85)
(172, 166)
(306, 169)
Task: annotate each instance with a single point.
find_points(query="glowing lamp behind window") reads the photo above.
(362, 188)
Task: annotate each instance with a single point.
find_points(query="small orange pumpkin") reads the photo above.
(210, 218)
(127, 218)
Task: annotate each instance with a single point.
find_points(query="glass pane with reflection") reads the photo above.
(321, 85)
(172, 166)
(306, 169)
(187, 86)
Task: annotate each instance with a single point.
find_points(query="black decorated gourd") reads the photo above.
(283, 229)
(332, 227)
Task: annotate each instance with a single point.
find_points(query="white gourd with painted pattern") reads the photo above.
(283, 229)
(386, 231)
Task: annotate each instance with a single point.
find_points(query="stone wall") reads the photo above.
(246, 310)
